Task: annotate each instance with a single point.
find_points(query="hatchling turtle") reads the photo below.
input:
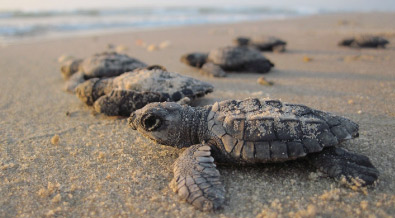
(125, 93)
(106, 64)
(249, 131)
(240, 59)
(262, 43)
(365, 41)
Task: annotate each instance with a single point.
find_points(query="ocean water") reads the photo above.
(21, 25)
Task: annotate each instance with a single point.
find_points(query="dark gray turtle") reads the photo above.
(248, 131)
(130, 91)
(262, 43)
(240, 59)
(365, 41)
(106, 64)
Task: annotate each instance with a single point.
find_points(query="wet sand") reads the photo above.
(101, 168)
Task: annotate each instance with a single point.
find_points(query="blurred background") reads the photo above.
(24, 19)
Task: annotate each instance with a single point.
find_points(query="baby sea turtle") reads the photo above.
(262, 43)
(365, 41)
(130, 91)
(106, 64)
(241, 59)
(248, 131)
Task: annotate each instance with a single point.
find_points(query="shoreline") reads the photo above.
(116, 31)
(53, 34)
(101, 168)
(7, 41)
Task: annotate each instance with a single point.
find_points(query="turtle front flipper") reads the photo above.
(258, 66)
(92, 89)
(124, 102)
(195, 59)
(196, 179)
(278, 48)
(339, 163)
(74, 80)
(213, 70)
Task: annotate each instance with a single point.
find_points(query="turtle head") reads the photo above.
(346, 42)
(242, 41)
(161, 122)
(195, 59)
(69, 66)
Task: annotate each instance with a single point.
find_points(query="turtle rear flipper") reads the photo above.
(339, 163)
(196, 179)
(124, 102)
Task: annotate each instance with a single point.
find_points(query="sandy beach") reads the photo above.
(102, 168)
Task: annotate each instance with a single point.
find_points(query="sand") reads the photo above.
(58, 158)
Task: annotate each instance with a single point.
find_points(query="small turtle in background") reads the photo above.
(106, 64)
(236, 59)
(365, 41)
(262, 43)
(249, 131)
(130, 91)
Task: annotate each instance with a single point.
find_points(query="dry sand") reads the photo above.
(57, 158)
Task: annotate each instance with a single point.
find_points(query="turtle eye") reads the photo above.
(151, 122)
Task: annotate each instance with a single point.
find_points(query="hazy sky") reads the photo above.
(353, 5)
